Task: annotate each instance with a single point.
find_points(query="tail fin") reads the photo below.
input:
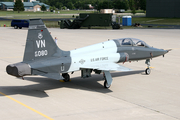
(39, 43)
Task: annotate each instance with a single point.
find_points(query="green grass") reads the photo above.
(4, 13)
(137, 11)
(7, 23)
(51, 24)
(161, 21)
(28, 15)
(68, 14)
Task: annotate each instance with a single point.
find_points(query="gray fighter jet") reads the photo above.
(43, 57)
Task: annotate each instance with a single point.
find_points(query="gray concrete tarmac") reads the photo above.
(132, 96)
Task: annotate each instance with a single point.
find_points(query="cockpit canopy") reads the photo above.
(131, 42)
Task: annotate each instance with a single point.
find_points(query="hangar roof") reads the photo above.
(26, 4)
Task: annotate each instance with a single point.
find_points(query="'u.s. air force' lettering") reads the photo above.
(41, 44)
(99, 59)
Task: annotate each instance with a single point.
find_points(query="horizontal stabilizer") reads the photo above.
(55, 76)
(106, 67)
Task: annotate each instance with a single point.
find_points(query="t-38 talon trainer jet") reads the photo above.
(43, 57)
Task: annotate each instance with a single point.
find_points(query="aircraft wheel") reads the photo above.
(66, 77)
(148, 71)
(106, 85)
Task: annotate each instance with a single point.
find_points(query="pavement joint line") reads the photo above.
(154, 20)
(175, 48)
(145, 107)
(142, 106)
(26, 106)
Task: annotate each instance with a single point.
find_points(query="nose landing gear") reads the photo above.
(148, 70)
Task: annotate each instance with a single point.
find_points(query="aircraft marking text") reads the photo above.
(41, 53)
(99, 59)
(62, 67)
(40, 43)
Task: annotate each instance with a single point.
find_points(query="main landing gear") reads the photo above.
(106, 84)
(148, 70)
(66, 77)
(108, 79)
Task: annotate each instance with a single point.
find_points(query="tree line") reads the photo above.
(97, 4)
(133, 5)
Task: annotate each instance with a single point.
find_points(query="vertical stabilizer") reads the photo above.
(39, 43)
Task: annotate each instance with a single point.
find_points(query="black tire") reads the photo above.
(66, 77)
(89, 27)
(106, 85)
(15, 27)
(148, 71)
(20, 27)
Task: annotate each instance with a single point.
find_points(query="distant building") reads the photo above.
(7, 6)
(163, 8)
(31, 0)
(28, 0)
(28, 6)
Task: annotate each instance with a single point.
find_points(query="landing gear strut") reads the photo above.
(148, 70)
(108, 79)
(66, 77)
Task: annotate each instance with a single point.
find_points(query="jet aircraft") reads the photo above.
(43, 57)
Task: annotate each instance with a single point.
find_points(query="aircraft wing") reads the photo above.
(106, 67)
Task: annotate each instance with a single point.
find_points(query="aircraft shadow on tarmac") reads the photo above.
(38, 90)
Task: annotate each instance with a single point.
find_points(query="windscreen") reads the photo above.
(131, 42)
